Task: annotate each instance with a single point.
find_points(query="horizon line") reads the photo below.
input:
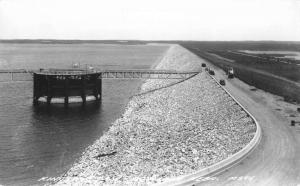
(141, 40)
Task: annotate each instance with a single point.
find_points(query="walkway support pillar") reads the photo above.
(35, 89)
(66, 91)
(49, 90)
(83, 87)
(100, 87)
(95, 89)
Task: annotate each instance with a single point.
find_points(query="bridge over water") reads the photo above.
(65, 83)
(23, 74)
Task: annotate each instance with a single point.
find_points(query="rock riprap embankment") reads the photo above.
(166, 133)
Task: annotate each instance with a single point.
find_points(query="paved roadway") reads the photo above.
(276, 160)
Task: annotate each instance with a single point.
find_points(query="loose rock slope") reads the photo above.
(166, 133)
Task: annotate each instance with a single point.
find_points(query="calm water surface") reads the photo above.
(43, 141)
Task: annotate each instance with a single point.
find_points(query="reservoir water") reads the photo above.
(43, 141)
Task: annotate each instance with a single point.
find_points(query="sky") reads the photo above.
(151, 19)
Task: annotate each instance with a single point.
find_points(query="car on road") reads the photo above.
(222, 82)
(211, 72)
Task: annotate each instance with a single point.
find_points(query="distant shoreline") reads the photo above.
(141, 42)
(53, 41)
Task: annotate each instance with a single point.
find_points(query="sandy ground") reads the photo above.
(276, 161)
(166, 133)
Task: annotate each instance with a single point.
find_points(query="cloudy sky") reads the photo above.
(151, 19)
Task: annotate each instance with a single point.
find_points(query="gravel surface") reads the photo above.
(166, 133)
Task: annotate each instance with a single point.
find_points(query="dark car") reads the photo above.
(211, 72)
(222, 82)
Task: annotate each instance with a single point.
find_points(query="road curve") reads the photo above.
(276, 160)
